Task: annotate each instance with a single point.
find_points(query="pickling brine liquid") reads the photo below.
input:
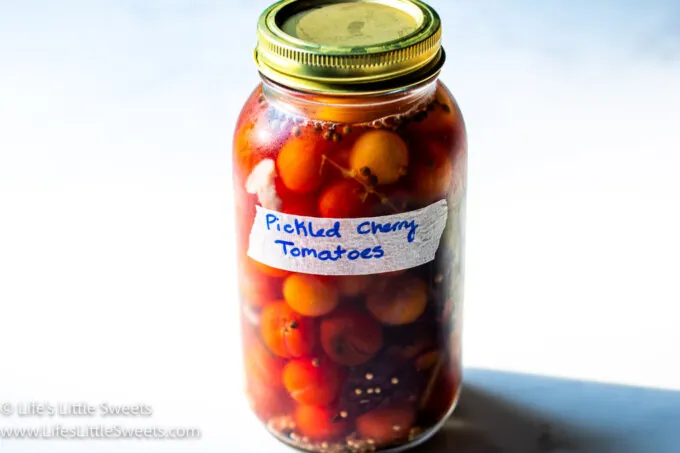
(350, 236)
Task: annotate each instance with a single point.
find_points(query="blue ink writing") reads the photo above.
(289, 248)
(372, 227)
(302, 228)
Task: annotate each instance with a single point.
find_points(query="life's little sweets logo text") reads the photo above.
(74, 409)
(56, 421)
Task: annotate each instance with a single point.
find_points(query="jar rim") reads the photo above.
(315, 46)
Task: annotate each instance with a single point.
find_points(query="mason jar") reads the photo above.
(349, 170)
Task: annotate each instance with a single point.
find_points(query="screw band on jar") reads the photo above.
(298, 48)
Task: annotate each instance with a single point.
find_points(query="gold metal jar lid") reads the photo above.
(349, 46)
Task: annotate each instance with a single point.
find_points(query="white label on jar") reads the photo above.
(371, 245)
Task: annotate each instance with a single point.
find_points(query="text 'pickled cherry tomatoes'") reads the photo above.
(350, 338)
(380, 157)
(343, 199)
(387, 425)
(285, 332)
(398, 301)
(310, 295)
(299, 163)
(318, 423)
(312, 381)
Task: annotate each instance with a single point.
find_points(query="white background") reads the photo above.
(116, 230)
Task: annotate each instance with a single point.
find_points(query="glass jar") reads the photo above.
(349, 175)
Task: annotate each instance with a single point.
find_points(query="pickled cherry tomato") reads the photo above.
(432, 173)
(263, 366)
(310, 295)
(287, 333)
(353, 285)
(300, 205)
(441, 120)
(312, 381)
(318, 423)
(445, 388)
(344, 199)
(350, 338)
(398, 301)
(299, 164)
(256, 288)
(267, 402)
(387, 424)
(380, 157)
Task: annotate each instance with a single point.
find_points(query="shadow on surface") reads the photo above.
(513, 413)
